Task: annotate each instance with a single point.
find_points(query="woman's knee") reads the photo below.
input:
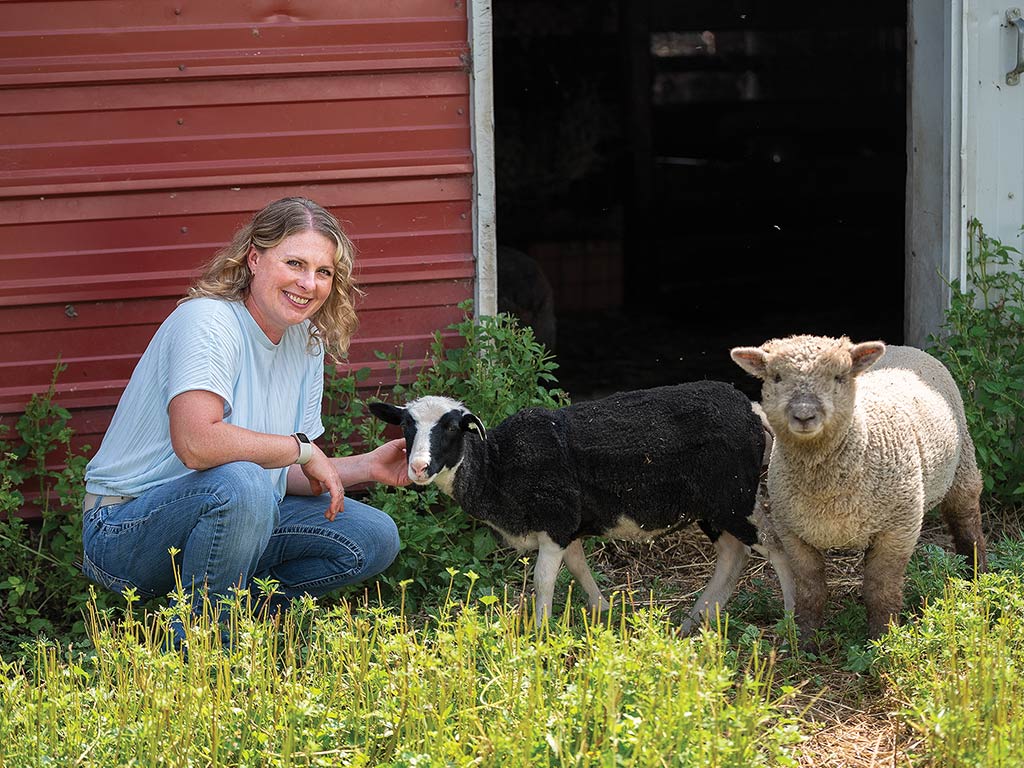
(382, 548)
(244, 490)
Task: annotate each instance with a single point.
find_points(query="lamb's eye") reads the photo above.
(840, 379)
(777, 378)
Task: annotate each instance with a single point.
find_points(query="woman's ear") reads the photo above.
(252, 259)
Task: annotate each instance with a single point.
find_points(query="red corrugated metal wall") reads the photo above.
(135, 137)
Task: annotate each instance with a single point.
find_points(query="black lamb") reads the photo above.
(629, 466)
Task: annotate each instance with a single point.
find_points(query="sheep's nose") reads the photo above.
(419, 467)
(804, 408)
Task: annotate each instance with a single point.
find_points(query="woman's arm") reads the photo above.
(202, 439)
(385, 464)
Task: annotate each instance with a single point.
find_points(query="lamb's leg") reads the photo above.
(810, 589)
(576, 560)
(731, 558)
(885, 566)
(961, 509)
(549, 561)
(780, 563)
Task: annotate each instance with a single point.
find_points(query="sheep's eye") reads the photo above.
(452, 427)
(777, 378)
(840, 379)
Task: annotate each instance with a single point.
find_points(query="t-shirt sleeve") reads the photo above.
(312, 413)
(203, 351)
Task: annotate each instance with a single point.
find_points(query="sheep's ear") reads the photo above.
(470, 421)
(865, 355)
(392, 414)
(750, 359)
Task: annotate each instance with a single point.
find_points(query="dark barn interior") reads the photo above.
(693, 176)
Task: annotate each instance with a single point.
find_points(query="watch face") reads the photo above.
(302, 437)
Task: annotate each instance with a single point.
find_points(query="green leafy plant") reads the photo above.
(982, 344)
(42, 590)
(496, 367)
(957, 673)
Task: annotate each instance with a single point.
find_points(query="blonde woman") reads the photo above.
(211, 451)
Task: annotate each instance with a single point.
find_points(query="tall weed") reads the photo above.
(364, 686)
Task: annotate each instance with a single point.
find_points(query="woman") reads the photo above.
(210, 449)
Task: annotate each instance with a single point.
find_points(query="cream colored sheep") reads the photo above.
(859, 456)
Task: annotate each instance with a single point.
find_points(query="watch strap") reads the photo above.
(305, 448)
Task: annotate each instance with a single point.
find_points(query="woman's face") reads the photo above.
(290, 281)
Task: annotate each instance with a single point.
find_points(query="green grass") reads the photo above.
(367, 686)
(957, 673)
(473, 683)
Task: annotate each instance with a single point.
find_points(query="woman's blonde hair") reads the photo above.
(227, 274)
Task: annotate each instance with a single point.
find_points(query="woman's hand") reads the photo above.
(323, 476)
(389, 464)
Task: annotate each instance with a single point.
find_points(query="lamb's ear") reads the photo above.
(865, 355)
(750, 359)
(470, 421)
(392, 414)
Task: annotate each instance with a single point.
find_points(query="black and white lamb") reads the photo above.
(630, 466)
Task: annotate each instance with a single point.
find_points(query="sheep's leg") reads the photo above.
(780, 563)
(549, 561)
(961, 510)
(807, 565)
(576, 561)
(885, 565)
(731, 558)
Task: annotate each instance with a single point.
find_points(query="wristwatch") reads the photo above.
(305, 448)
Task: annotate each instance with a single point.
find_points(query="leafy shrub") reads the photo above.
(982, 344)
(957, 673)
(41, 589)
(495, 367)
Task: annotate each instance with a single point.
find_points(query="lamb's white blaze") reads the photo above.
(426, 412)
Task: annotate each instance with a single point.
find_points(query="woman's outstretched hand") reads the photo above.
(389, 464)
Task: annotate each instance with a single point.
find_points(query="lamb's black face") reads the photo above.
(434, 429)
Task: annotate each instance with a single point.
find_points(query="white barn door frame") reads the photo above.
(965, 145)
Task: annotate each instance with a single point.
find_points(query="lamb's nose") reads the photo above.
(803, 415)
(804, 408)
(419, 468)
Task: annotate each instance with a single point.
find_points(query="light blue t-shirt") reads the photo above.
(213, 345)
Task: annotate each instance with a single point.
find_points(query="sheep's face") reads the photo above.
(434, 429)
(808, 382)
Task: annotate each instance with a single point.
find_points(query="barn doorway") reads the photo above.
(693, 176)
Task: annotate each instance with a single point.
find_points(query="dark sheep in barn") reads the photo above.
(632, 466)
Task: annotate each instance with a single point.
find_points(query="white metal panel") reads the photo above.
(993, 168)
(965, 146)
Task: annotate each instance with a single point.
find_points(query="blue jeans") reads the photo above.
(229, 528)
